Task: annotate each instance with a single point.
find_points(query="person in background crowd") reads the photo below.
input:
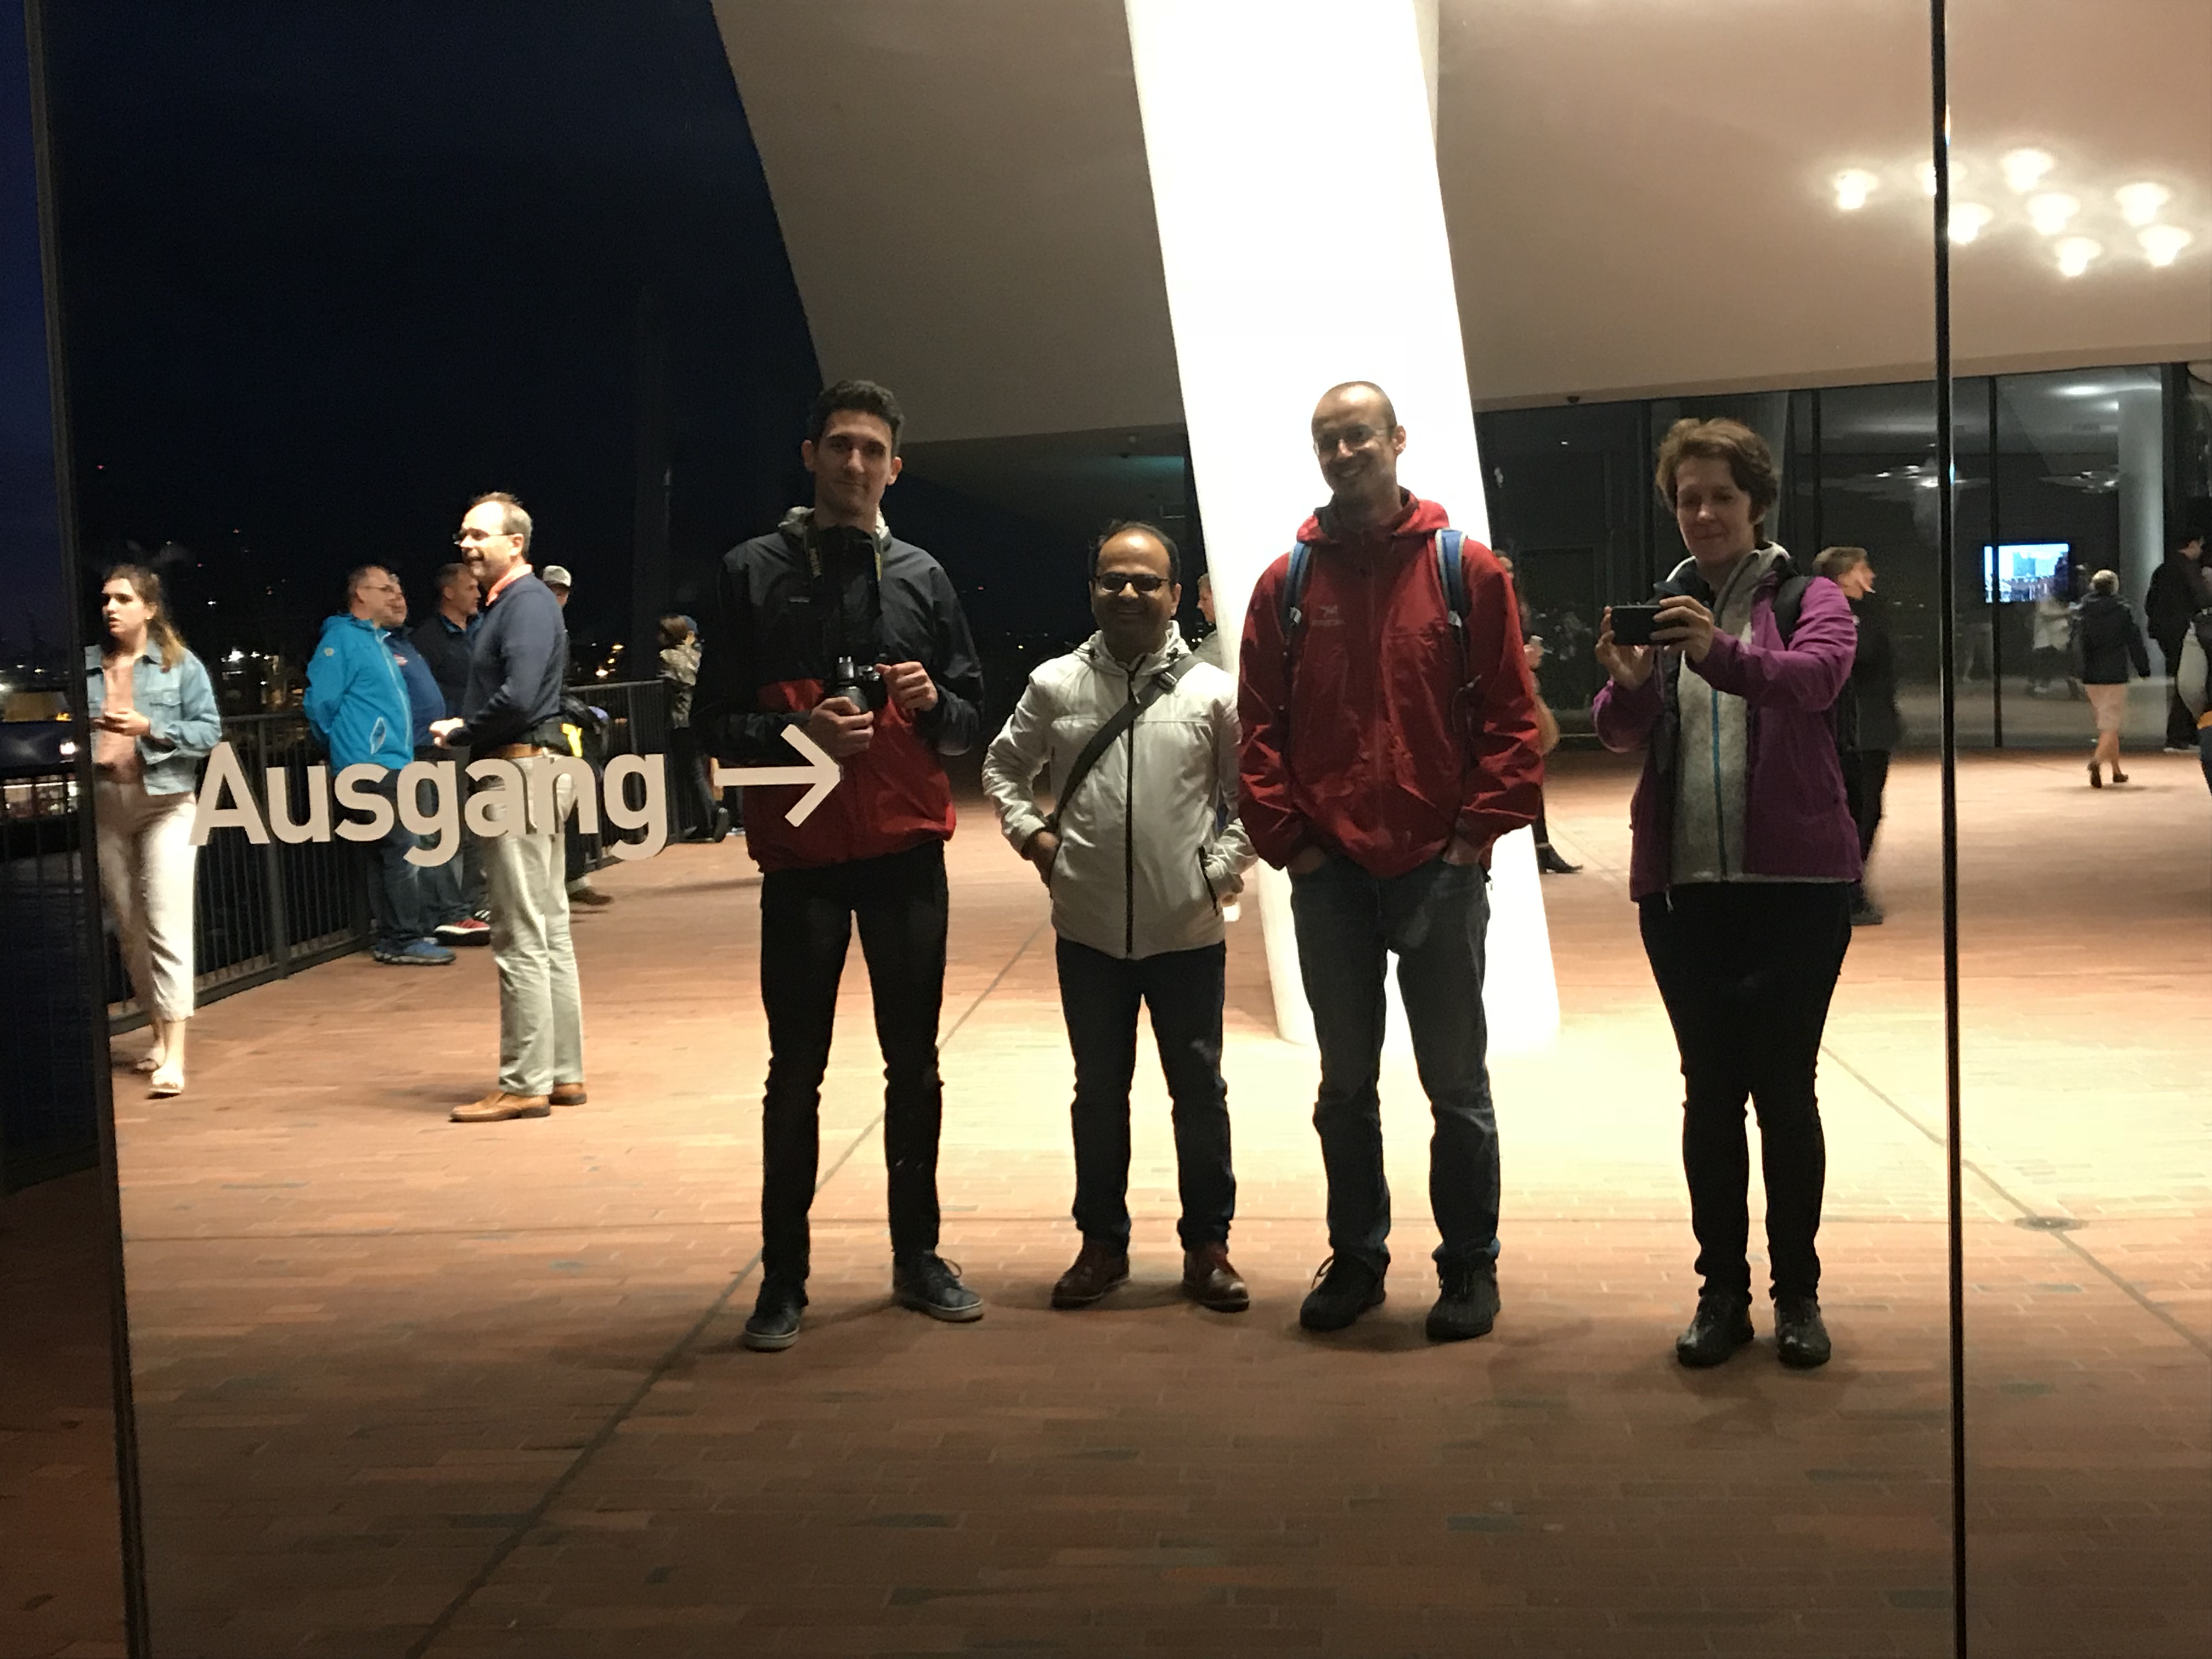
(358, 707)
(2177, 591)
(1742, 865)
(2051, 648)
(1533, 650)
(512, 712)
(152, 710)
(1388, 741)
(703, 817)
(2193, 679)
(1867, 723)
(576, 847)
(1138, 858)
(443, 639)
(1212, 646)
(832, 625)
(2111, 644)
(440, 885)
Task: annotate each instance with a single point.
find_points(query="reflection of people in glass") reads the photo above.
(1533, 651)
(1742, 865)
(2192, 680)
(1382, 757)
(2178, 592)
(831, 625)
(1213, 646)
(2052, 646)
(702, 816)
(1138, 858)
(2111, 644)
(1867, 723)
(153, 714)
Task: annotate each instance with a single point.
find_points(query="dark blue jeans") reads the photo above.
(396, 912)
(1100, 995)
(2204, 752)
(1434, 918)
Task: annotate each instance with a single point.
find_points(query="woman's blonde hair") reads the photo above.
(159, 629)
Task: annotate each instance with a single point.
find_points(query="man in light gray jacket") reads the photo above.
(1140, 851)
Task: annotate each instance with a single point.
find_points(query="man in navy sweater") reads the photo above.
(511, 712)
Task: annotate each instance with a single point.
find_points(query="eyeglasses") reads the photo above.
(1110, 582)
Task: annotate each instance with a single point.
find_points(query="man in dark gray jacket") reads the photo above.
(1140, 853)
(511, 713)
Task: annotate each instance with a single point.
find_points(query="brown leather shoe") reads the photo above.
(498, 1106)
(1211, 1280)
(1098, 1269)
(569, 1094)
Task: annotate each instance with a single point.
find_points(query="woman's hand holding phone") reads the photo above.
(1629, 665)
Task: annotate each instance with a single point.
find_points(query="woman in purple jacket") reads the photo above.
(1743, 857)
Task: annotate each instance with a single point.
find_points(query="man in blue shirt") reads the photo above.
(358, 706)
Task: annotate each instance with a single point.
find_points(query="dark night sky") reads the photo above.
(329, 269)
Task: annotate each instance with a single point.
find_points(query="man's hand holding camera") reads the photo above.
(844, 722)
(910, 686)
(840, 726)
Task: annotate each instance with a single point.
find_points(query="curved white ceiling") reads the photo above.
(1638, 191)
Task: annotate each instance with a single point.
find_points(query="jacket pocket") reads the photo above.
(1206, 881)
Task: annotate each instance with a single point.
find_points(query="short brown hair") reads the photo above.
(1835, 562)
(1750, 462)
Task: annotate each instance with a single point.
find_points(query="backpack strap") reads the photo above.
(1294, 589)
(1119, 721)
(1789, 604)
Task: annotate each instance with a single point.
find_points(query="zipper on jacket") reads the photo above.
(1720, 802)
(1129, 838)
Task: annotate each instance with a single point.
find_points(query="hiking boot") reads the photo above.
(1467, 1302)
(1801, 1338)
(927, 1283)
(1098, 1269)
(774, 1326)
(1722, 1325)
(1343, 1289)
(1210, 1279)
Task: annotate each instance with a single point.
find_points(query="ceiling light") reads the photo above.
(1928, 178)
(2024, 169)
(2139, 203)
(1968, 218)
(2163, 242)
(2075, 255)
(1853, 186)
(2050, 211)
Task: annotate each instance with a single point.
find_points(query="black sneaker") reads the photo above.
(1722, 1326)
(1801, 1339)
(774, 1324)
(1343, 1289)
(927, 1283)
(1467, 1305)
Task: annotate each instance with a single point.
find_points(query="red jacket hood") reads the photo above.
(1416, 518)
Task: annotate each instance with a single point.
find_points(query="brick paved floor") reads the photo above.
(406, 1386)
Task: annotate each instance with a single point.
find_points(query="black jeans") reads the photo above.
(806, 925)
(1099, 995)
(693, 802)
(1866, 775)
(1745, 969)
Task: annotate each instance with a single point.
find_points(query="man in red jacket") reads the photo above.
(832, 624)
(1388, 741)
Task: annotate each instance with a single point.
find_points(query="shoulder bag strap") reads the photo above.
(1106, 736)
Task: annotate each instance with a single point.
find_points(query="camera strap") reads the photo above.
(830, 584)
(1106, 736)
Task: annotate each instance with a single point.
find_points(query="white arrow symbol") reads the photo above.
(820, 771)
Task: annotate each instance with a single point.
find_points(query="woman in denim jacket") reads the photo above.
(153, 719)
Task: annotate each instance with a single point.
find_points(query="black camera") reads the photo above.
(862, 686)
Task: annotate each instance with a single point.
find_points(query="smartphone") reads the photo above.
(1633, 623)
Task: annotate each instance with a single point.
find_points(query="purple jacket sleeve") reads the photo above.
(1624, 718)
(1807, 673)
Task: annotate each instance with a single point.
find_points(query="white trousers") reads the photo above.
(541, 1005)
(146, 859)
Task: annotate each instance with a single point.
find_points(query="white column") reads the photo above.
(2142, 493)
(1294, 177)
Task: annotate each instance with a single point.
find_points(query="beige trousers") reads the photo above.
(146, 861)
(541, 1005)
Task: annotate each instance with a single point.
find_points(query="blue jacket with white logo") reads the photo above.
(357, 697)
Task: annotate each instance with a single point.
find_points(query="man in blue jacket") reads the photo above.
(358, 704)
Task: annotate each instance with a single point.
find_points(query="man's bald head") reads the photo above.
(1361, 394)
